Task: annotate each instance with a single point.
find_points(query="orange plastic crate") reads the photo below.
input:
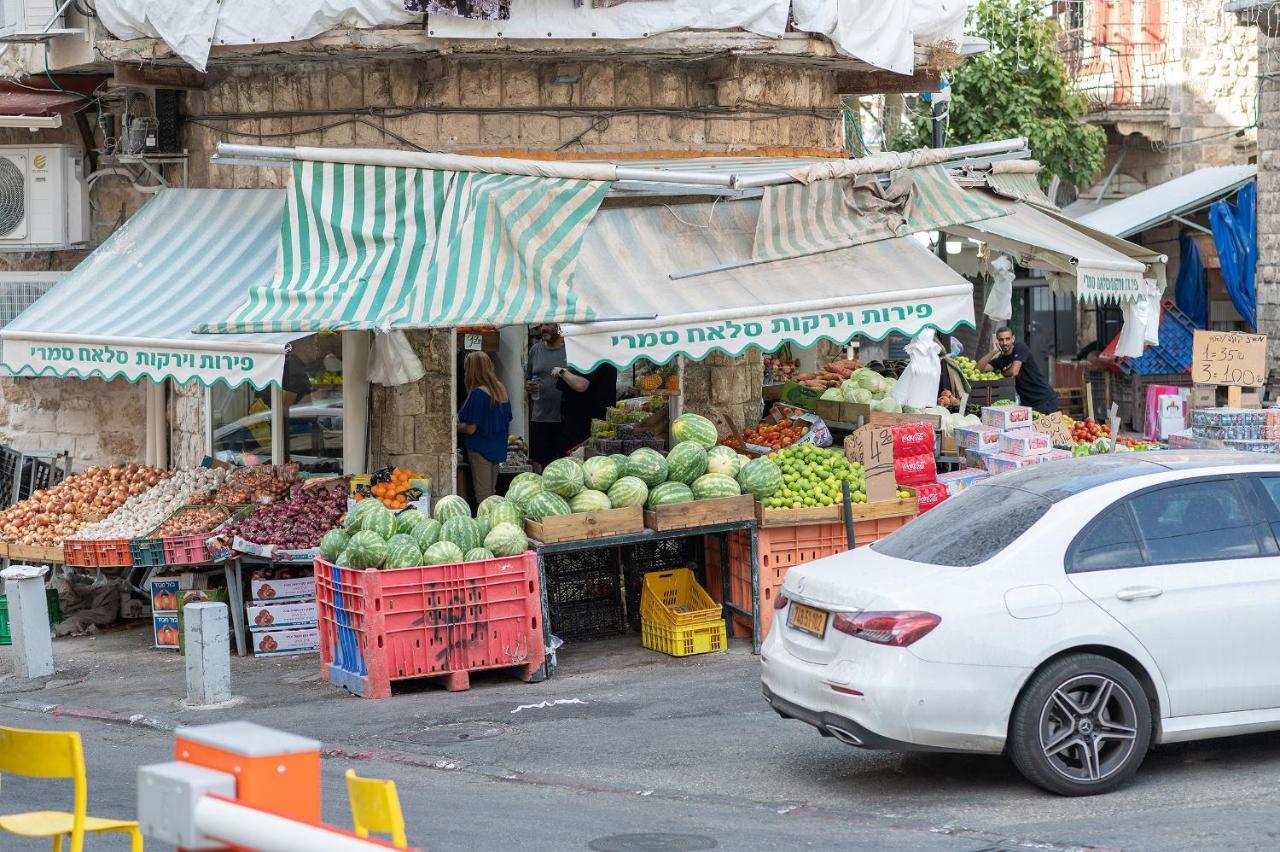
(80, 553)
(112, 553)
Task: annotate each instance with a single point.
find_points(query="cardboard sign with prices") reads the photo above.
(872, 447)
(1229, 358)
(1055, 426)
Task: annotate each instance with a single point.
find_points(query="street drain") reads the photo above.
(652, 843)
(453, 732)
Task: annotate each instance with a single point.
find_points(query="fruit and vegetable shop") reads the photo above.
(720, 334)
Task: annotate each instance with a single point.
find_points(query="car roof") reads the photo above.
(1061, 479)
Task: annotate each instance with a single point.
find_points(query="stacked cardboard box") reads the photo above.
(281, 613)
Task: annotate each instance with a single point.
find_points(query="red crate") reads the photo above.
(444, 621)
(780, 549)
(112, 553)
(185, 549)
(80, 553)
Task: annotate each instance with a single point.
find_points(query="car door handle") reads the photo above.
(1133, 593)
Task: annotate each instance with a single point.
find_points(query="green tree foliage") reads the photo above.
(1019, 87)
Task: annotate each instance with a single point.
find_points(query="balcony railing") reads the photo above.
(1119, 66)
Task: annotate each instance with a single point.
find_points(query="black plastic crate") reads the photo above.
(588, 619)
(586, 575)
(641, 559)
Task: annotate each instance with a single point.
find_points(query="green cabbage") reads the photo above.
(833, 394)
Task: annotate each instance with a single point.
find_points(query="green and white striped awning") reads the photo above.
(384, 247)
(798, 219)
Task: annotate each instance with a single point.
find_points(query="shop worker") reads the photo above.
(584, 397)
(546, 355)
(1013, 358)
(484, 423)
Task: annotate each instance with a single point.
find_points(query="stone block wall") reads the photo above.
(724, 388)
(412, 425)
(1267, 279)
(95, 421)
(1217, 93)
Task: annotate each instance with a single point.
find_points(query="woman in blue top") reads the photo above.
(483, 423)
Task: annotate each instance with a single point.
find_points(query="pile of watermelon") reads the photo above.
(372, 536)
(695, 469)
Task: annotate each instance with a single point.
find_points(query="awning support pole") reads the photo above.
(1192, 225)
(355, 401)
(279, 426)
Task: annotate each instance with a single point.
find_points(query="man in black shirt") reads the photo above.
(1013, 358)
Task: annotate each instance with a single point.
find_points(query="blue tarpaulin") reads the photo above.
(1235, 235)
(1189, 289)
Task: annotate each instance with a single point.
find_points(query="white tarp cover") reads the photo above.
(881, 33)
(628, 254)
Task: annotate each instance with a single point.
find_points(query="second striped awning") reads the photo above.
(382, 247)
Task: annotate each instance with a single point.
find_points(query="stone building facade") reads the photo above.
(537, 106)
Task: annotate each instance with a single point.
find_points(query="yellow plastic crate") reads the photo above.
(675, 599)
(684, 641)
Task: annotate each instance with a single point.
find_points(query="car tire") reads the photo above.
(1081, 727)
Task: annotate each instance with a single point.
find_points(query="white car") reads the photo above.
(1071, 615)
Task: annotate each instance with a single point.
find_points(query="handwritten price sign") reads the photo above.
(1229, 358)
(1055, 426)
(873, 447)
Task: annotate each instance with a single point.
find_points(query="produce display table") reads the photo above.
(721, 530)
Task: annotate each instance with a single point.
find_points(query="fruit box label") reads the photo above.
(164, 595)
(165, 630)
(977, 437)
(1025, 442)
(278, 642)
(262, 617)
(1006, 416)
(282, 588)
(1004, 462)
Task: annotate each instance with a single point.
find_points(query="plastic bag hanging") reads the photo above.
(393, 361)
(918, 385)
(999, 305)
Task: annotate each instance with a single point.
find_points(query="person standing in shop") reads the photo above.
(484, 423)
(1014, 359)
(546, 443)
(584, 397)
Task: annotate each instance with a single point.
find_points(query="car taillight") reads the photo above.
(780, 601)
(899, 629)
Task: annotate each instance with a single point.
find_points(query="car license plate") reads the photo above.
(807, 619)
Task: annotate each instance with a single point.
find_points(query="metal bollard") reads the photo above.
(29, 623)
(208, 653)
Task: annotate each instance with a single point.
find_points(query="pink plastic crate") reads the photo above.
(185, 550)
(443, 621)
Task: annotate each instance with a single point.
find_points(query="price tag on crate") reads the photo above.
(1229, 358)
(1055, 426)
(872, 447)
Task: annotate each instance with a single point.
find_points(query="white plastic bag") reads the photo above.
(393, 361)
(999, 304)
(918, 385)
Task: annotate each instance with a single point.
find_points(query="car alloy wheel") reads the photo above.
(1082, 726)
(1088, 728)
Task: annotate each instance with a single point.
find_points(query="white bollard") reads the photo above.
(29, 625)
(208, 653)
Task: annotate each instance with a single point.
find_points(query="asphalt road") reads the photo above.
(684, 753)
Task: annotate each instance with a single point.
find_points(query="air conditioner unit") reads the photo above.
(44, 198)
(28, 17)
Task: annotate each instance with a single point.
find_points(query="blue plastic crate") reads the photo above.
(147, 552)
(1173, 355)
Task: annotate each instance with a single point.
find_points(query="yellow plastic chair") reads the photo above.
(375, 806)
(55, 754)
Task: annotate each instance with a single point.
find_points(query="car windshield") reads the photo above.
(967, 529)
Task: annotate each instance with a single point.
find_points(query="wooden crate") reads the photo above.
(588, 525)
(886, 418)
(797, 517)
(887, 508)
(832, 411)
(35, 553)
(701, 513)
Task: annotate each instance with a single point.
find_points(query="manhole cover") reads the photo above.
(454, 732)
(652, 843)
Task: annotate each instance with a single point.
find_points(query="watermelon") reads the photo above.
(483, 525)
(527, 476)
(621, 461)
(477, 554)
(400, 539)
(343, 560)
(379, 520)
(451, 506)
(694, 427)
(723, 460)
(403, 556)
(442, 553)
(506, 540)
(462, 532)
(333, 543)
(408, 519)
(649, 466)
(590, 501)
(488, 505)
(628, 491)
(563, 477)
(352, 522)
(427, 533)
(507, 513)
(599, 472)
(761, 478)
(713, 485)
(669, 493)
(522, 491)
(367, 549)
(686, 462)
(546, 505)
